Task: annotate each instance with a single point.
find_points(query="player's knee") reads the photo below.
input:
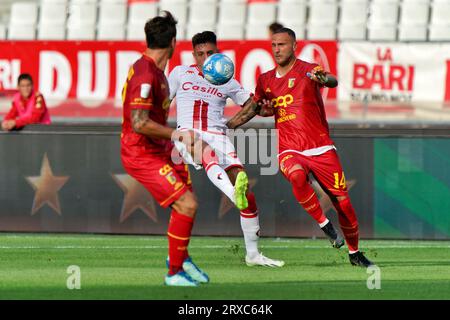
(298, 177)
(187, 204)
(190, 206)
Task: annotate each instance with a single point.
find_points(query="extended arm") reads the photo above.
(142, 124)
(248, 111)
(325, 78)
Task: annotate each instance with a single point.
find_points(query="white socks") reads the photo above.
(250, 228)
(219, 177)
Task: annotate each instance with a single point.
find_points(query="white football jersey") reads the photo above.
(200, 104)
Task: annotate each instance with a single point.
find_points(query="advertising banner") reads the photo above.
(85, 79)
(396, 73)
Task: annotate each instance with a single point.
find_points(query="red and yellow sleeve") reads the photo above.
(12, 114)
(259, 90)
(141, 93)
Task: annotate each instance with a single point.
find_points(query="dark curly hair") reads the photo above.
(159, 31)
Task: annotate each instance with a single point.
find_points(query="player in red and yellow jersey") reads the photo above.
(291, 93)
(146, 147)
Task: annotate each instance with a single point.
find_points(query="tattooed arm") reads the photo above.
(250, 109)
(144, 125)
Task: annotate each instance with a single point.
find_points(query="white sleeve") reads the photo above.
(174, 82)
(237, 93)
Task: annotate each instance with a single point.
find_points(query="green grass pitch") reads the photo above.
(34, 266)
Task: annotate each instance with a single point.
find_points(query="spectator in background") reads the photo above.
(27, 108)
(274, 27)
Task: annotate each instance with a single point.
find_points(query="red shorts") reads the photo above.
(326, 169)
(165, 180)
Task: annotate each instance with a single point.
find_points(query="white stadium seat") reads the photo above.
(23, 26)
(383, 20)
(230, 31)
(256, 32)
(260, 15)
(202, 12)
(111, 23)
(24, 13)
(51, 32)
(322, 20)
(82, 14)
(81, 32)
(112, 14)
(138, 14)
(2, 32)
(111, 32)
(353, 20)
(238, 10)
(192, 29)
(55, 1)
(413, 20)
(178, 8)
(82, 21)
(21, 32)
(292, 12)
(231, 26)
(440, 24)
(52, 22)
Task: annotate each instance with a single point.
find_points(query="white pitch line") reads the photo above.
(221, 247)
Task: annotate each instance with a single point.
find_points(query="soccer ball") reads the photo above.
(218, 69)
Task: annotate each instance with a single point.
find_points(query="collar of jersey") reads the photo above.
(200, 73)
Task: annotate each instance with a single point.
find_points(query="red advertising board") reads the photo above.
(84, 79)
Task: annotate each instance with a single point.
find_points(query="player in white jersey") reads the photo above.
(200, 107)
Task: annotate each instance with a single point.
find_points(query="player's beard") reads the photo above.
(286, 61)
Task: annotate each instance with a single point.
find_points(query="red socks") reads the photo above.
(179, 233)
(209, 158)
(306, 195)
(348, 222)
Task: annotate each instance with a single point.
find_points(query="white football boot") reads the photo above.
(261, 260)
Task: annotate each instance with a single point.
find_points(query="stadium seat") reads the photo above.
(2, 32)
(54, 1)
(202, 12)
(81, 32)
(23, 26)
(292, 12)
(382, 23)
(230, 32)
(82, 14)
(413, 20)
(256, 32)
(52, 22)
(192, 29)
(138, 14)
(231, 26)
(353, 20)
(299, 30)
(260, 15)
(21, 32)
(111, 23)
(440, 24)
(82, 20)
(178, 8)
(322, 20)
(237, 7)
